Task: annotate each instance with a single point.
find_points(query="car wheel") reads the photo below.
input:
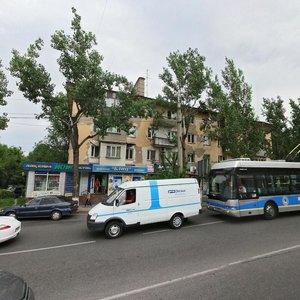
(11, 214)
(56, 215)
(176, 221)
(113, 229)
(270, 211)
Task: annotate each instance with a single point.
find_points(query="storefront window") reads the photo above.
(45, 181)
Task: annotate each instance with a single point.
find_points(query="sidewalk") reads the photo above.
(82, 210)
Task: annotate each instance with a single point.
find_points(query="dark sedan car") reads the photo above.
(42, 206)
(14, 288)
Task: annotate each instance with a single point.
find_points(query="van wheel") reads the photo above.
(113, 229)
(176, 221)
(270, 211)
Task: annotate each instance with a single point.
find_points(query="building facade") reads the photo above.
(120, 157)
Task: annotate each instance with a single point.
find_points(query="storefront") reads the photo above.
(105, 179)
(51, 178)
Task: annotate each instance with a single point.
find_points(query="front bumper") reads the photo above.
(94, 226)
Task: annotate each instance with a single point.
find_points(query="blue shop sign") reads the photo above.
(58, 167)
(119, 169)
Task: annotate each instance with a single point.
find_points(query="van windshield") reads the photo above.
(110, 200)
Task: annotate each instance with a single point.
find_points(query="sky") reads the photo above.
(135, 37)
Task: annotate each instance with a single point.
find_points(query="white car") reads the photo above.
(9, 228)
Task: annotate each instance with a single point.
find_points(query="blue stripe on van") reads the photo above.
(154, 195)
(147, 209)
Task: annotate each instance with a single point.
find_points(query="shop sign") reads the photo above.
(119, 169)
(41, 166)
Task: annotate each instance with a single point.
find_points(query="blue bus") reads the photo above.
(241, 187)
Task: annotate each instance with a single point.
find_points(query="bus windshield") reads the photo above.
(221, 185)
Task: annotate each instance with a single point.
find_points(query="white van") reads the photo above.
(144, 202)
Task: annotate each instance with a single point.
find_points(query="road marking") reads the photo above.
(194, 275)
(185, 227)
(46, 248)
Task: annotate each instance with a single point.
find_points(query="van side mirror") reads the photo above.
(117, 202)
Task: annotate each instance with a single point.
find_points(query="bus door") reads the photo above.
(247, 195)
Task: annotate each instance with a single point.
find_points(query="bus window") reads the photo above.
(261, 185)
(246, 187)
(295, 183)
(221, 186)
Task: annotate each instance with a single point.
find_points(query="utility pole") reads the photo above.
(179, 132)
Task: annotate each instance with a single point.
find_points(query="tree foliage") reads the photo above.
(186, 79)
(238, 130)
(4, 92)
(86, 84)
(11, 166)
(274, 112)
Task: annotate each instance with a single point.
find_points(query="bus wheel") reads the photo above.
(176, 221)
(270, 211)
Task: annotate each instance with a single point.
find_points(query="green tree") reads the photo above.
(274, 112)
(238, 130)
(186, 78)
(4, 92)
(86, 84)
(295, 127)
(11, 166)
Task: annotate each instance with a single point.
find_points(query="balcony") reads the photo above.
(163, 142)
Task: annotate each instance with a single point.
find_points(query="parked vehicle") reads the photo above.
(13, 287)
(144, 202)
(9, 228)
(42, 206)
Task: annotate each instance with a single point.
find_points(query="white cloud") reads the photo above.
(262, 37)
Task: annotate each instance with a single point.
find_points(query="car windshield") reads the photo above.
(110, 200)
(221, 185)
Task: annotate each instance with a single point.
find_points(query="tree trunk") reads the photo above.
(75, 146)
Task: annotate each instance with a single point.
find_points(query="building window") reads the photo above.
(113, 130)
(129, 152)
(219, 144)
(151, 155)
(171, 135)
(95, 150)
(46, 181)
(113, 151)
(191, 157)
(132, 131)
(150, 133)
(220, 158)
(206, 140)
(191, 138)
(172, 115)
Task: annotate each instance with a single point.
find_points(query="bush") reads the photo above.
(4, 194)
(7, 202)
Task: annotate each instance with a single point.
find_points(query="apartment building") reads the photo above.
(119, 157)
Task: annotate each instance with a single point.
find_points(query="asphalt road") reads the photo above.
(211, 257)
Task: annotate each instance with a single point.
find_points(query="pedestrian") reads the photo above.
(88, 199)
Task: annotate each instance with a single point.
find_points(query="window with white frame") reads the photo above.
(95, 150)
(220, 158)
(132, 131)
(151, 155)
(129, 152)
(150, 132)
(171, 135)
(206, 140)
(191, 138)
(191, 157)
(172, 115)
(113, 151)
(113, 130)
